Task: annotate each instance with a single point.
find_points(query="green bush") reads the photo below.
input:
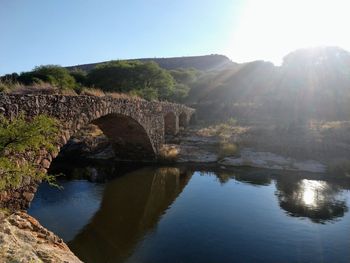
(144, 79)
(53, 74)
(20, 136)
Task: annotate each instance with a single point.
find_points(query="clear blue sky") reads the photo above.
(69, 32)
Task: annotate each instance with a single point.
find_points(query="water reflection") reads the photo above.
(318, 200)
(130, 208)
(146, 216)
(315, 199)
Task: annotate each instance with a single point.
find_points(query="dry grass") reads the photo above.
(9, 86)
(317, 140)
(223, 130)
(169, 152)
(48, 89)
(117, 95)
(99, 93)
(38, 88)
(92, 92)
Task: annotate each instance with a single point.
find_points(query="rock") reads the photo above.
(28, 196)
(272, 161)
(23, 239)
(105, 154)
(196, 154)
(310, 166)
(45, 163)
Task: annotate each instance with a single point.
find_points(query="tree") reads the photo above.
(53, 74)
(80, 76)
(185, 76)
(145, 79)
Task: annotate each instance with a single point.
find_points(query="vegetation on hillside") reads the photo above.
(200, 63)
(310, 84)
(20, 136)
(143, 79)
(53, 74)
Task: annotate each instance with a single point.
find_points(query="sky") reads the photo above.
(71, 32)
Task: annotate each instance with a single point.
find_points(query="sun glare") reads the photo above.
(270, 29)
(312, 192)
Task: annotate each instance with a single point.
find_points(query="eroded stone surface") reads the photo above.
(23, 239)
(248, 157)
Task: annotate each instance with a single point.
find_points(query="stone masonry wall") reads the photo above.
(74, 112)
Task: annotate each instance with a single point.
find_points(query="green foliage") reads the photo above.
(148, 93)
(145, 79)
(11, 173)
(20, 136)
(80, 76)
(180, 92)
(53, 74)
(185, 76)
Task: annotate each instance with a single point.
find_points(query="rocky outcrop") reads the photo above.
(23, 239)
(250, 158)
(192, 147)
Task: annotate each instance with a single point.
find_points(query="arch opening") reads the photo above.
(171, 124)
(111, 136)
(129, 138)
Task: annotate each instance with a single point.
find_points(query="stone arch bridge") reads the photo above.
(135, 127)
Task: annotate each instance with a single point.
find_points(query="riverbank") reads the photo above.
(227, 147)
(23, 239)
(317, 147)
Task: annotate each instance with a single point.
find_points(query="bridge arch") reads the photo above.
(128, 137)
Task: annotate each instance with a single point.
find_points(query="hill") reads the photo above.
(203, 63)
(310, 84)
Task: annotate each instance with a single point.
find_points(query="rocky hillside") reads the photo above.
(310, 84)
(204, 63)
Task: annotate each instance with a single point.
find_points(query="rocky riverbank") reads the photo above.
(23, 239)
(193, 146)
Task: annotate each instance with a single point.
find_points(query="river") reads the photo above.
(113, 213)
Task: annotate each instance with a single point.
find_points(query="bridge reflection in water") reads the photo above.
(131, 207)
(195, 214)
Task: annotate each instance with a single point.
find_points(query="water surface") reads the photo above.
(169, 214)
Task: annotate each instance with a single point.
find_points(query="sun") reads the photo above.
(270, 29)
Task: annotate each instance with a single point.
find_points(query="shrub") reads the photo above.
(20, 136)
(145, 79)
(53, 74)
